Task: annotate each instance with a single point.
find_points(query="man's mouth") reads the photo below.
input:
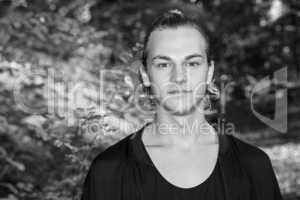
(179, 91)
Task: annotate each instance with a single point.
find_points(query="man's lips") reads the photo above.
(179, 92)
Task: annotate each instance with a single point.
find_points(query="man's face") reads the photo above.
(177, 67)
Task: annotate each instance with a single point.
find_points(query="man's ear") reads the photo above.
(210, 72)
(144, 75)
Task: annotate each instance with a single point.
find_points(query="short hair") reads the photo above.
(174, 18)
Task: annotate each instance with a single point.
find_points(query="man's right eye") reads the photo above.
(162, 65)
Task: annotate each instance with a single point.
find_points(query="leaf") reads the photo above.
(18, 165)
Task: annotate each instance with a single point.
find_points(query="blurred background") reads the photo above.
(69, 82)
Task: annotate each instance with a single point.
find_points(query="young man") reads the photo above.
(179, 155)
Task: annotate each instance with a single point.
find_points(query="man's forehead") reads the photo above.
(181, 38)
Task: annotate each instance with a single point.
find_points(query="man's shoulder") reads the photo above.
(257, 164)
(113, 156)
(253, 157)
(116, 151)
(106, 171)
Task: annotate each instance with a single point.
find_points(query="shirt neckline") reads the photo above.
(145, 157)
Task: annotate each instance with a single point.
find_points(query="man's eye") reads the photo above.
(163, 65)
(193, 64)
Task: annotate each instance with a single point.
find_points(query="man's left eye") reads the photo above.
(193, 64)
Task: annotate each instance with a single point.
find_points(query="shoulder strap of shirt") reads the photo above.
(235, 180)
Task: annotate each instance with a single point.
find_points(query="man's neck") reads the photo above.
(182, 131)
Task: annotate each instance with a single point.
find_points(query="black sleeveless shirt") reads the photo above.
(124, 171)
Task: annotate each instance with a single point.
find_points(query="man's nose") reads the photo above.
(179, 74)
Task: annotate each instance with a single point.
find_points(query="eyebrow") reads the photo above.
(160, 57)
(193, 56)
(168, 58)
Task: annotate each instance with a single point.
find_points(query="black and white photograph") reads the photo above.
(149, 100)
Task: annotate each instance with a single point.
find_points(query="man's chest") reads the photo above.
(185, 169)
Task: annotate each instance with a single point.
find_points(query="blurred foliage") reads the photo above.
(53, 117)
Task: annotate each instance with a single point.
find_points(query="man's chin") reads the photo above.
(179, 110)
(179, 107)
